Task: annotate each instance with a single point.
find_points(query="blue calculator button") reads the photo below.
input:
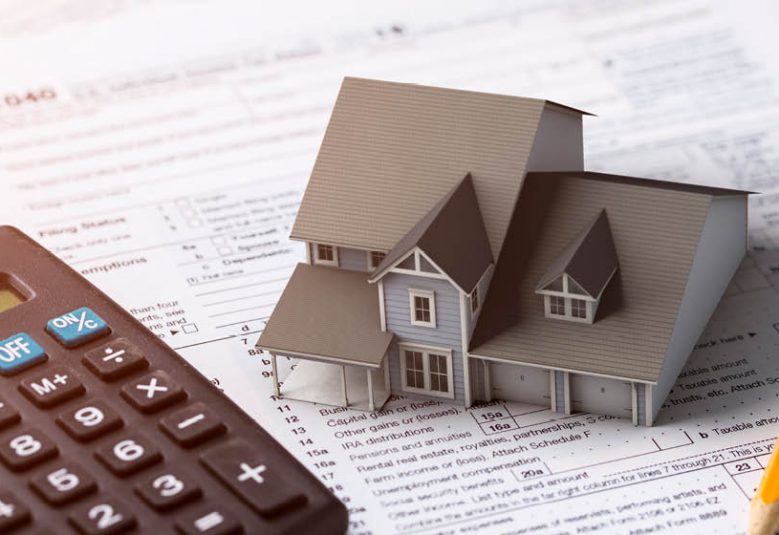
(19, 352)
(78, 327)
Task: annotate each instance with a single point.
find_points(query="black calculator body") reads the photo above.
(104, 429)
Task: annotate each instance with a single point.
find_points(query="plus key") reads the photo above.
(254, 478)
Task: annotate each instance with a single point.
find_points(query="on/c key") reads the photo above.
(77, 327)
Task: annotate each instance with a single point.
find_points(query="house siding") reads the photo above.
(720, 250)
(445, 335)
(352, 259)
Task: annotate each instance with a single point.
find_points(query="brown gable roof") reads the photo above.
(327, 312)
(656, 227)
(452, 234)
(392, 151)
(590, 259)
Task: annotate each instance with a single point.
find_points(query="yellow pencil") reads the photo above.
(764, 511)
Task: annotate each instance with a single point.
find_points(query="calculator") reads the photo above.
(104, 429)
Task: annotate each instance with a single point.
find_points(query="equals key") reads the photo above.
(192, 425)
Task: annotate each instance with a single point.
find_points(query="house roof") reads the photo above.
(392, 151)
(452, 234)
(656, 227)
(304, 322)
(590, 259)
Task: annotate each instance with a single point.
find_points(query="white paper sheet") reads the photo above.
(162, 149)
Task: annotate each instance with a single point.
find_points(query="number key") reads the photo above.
(63, 484)
(167, 490)
(105, 517)
(8, 415)
(12, 512)
(90, 420)
(25, 449)
(128, 455)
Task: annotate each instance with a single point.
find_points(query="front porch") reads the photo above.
(328, 320)
(339, 385)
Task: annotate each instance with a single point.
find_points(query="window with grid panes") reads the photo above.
(439, 375)
(422, 309)
(415, 371)
(325, 253)
(556, 305)
(376, 258)
(578, 308)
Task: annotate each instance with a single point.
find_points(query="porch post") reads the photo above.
(343, 385)
(487, 381)
(275, 375)
(371, 404)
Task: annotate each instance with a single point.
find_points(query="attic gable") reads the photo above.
(392, 151)
(451, 235)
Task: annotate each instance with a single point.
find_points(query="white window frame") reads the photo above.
(475, 294)
(426, 352)
(369, 254)
(412, 293)
(322, 262)
(591, 304)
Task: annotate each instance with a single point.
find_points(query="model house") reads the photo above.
(456, 249)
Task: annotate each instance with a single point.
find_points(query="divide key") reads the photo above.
(77, 327)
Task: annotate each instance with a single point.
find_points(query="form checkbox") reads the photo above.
(189, 328)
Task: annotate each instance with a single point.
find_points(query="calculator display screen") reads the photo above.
(9, 297)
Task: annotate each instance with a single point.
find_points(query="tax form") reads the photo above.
(162, 149)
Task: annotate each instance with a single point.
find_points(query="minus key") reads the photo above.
(192, 425)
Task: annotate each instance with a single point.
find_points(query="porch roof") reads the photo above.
(328, 314)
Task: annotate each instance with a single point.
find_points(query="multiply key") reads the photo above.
(153, 392)
(246, 471)
(57, 385)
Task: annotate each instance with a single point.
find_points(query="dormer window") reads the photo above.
(326, 255)
(573, 284)
(564, 299)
